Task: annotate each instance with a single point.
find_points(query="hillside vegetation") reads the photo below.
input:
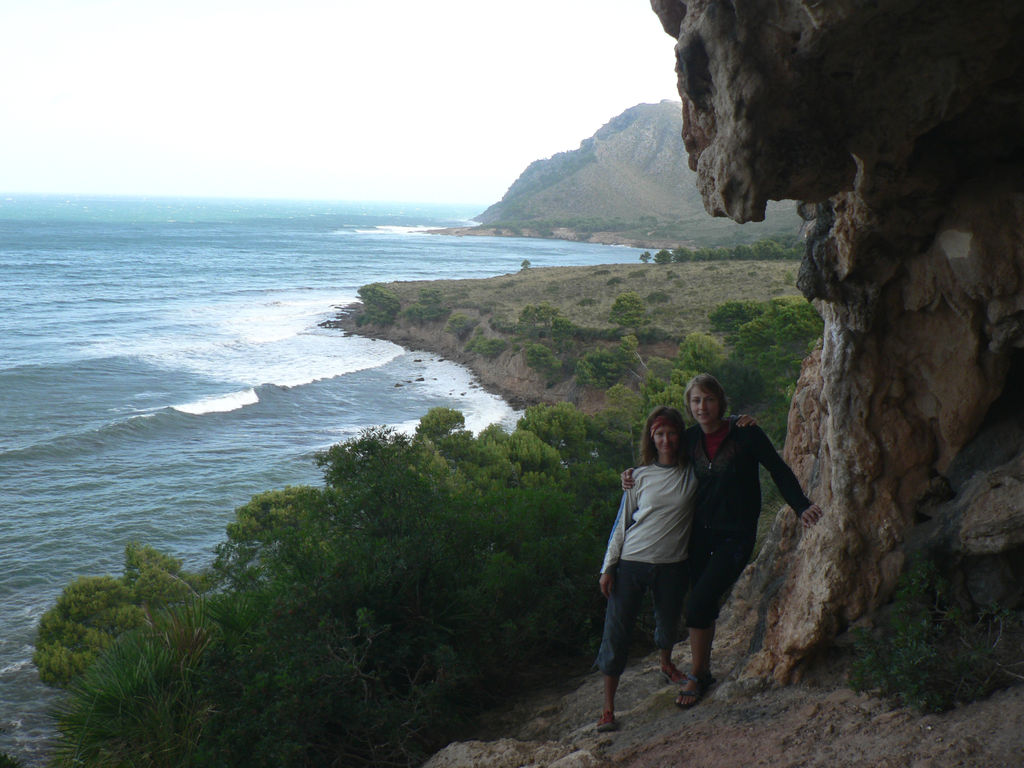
(577, 333)
(677, 298)
(631, 178)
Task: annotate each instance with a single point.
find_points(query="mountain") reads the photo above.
(632, 177)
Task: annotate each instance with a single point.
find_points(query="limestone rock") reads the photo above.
(900, 124)
(509, 753)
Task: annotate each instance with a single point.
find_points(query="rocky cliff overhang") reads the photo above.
(900, 123)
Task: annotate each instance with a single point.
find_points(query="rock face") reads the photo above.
(900, 123)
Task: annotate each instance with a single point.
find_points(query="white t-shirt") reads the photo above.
(655, 516)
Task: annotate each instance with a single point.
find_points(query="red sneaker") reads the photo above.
(672, 674)
(607, 722)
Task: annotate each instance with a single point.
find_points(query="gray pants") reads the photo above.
(632, 580)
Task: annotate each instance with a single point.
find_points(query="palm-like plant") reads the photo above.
(138, 704)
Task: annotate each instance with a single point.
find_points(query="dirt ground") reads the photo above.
(741, 723)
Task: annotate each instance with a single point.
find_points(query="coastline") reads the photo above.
(558, 233)
(506, 375)
(473, 322)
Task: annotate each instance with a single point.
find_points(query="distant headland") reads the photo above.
(628, 184)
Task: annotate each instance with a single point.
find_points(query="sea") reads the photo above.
(162, 360)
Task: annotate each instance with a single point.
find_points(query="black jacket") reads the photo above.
(729, 489)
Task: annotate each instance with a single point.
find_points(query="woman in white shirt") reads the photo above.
(647, 550)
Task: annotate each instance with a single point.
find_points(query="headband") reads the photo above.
(661, 421)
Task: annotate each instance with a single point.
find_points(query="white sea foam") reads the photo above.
(222, 404)
(16, 666)
(479, 407)
(276, 339)
(394, 229)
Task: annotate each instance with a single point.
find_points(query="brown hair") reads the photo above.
(708, 383)
(648, 453)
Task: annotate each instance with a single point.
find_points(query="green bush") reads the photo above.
(932, 654)
(536, 320)
(628, 310)
(728, 317)
(542, 359)
(138, 704)
(93, 611)
(366, 621)
(428, 308)
(400, 605)
(486, 347)
(380, 305)
(459, 325)
(601, 368)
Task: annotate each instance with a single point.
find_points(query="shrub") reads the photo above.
(542, 359)
(700, 352)
(138, 704)
(364, 623)
(727, 317)
(93, 611)
(627, 310)
(486, 347)
(380, 305)
(428, 308)
(600, 368)
(536, 320)
(652, 334)
(398, 608)
(460, 325)
(502, 325)
(931, 654)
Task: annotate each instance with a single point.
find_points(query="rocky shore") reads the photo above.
(506, 375)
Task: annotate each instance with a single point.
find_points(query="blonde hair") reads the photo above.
(708, 383)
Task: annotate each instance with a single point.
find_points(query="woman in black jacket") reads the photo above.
(728, 503)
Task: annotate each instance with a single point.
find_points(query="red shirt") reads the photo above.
(712, 440)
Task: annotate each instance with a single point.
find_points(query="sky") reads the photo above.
(405, 100)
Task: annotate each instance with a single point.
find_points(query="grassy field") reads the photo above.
(678, 297)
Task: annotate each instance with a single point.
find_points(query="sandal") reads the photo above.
(688, 698)
(672, 674)
(607, 722)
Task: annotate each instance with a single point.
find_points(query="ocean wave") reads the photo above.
(220, 404)
(92, 437)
